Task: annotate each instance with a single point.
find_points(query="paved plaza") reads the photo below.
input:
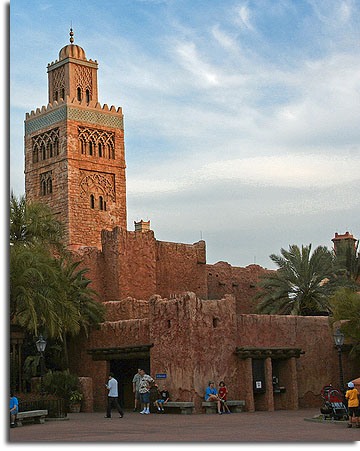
(278, 426)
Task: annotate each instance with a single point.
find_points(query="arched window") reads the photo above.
(82, 146)
(92, 201)
(79, 94)
(87, 96)
(49, 186)
(43, 188)
(63, 93)
(100, 149)
(109, 151)
(90, 148)
(104, 205)
(35, 154)
(56, 95)
(101, 203)
(43, 151)
(113, 153)
(50, 150)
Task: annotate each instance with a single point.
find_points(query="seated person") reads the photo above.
(163, 399)
(212, 396)
(223, 395)
(14, 407)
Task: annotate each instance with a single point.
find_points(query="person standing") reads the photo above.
(144, 390)
(136, 383)
(353, 396)
(112, 386)
(14, 408)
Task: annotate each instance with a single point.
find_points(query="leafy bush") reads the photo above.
(61, 383)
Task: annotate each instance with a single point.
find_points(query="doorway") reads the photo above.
(124, 370)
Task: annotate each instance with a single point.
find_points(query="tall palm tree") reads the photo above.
(302, 284)
(87, 310)
(345, 307)
(347, 259)
(33, 223)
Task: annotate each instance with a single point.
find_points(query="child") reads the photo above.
(163, 399)
(223, 396)
(14, 408)
(353, 396)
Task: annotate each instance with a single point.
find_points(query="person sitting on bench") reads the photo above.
(211, 395)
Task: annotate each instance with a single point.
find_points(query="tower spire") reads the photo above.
(71, 34)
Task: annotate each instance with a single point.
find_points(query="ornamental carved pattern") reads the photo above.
(59, 78)
(97, 183)
(45, 145)
(83, 78)
(96, 137)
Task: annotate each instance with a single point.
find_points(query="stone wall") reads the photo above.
(180, 267)
(222, 278)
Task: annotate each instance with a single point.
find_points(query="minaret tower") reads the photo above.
(74, 151)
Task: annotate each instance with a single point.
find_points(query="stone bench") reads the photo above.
(37, 416)
(186, 408)
(234, 406)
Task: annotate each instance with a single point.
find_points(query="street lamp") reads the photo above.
(41, 345)
(339, 341)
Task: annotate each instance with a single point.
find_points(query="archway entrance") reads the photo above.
(124, 362)
(124, 371)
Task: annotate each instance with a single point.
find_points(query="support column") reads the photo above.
(248, 378)
(269, 394)
(292, 398)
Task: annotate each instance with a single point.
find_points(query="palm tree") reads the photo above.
(80, 309)
(347, 259)
(345, 307)
(34, 289)
(33, 223)
(302, 284)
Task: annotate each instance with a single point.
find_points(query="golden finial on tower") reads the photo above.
(71, 36)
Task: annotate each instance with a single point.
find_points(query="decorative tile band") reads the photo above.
(51, 118)
(75, 114)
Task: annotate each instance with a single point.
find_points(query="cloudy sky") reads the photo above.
(242, 118)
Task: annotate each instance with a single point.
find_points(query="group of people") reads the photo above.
(220, 397)
(142, 385)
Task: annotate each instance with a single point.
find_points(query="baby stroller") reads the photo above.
(334, 407)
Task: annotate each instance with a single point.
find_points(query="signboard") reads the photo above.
(258, 384)
(160, 376)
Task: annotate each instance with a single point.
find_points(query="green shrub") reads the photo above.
(61, 383)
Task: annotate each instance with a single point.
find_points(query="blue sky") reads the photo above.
(241, 117)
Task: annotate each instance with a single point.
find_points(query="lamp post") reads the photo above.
(41, 345)
(339, 341)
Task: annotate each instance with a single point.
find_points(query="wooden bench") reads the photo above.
(234, 406)
(37, 416)
(186, 408)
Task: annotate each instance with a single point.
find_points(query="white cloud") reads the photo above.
(243, 17)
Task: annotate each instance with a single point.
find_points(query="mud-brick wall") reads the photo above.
(93, 260)
(129, 264)
(128, 308)
(313, 334)
(222, 278)
(194, 342)
(180, 267)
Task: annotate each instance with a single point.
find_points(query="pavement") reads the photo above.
(249, 427)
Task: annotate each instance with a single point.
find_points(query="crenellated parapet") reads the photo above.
(90, 113)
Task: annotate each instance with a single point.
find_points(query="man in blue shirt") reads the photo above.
(112, 386)
(211, 395)
(14, 407)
